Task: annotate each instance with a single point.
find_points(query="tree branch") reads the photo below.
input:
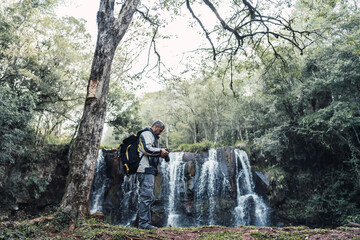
(203, 28)
(254, 26)
(225, 26)
(156, 25)
(124, 18)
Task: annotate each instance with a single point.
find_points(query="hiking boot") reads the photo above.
(149, 227)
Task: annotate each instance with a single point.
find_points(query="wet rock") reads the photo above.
(262, 177)
(27, 189)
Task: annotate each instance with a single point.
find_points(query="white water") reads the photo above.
(246, 198)
(174, 173)
(130, 192)
(207, 183)
(99, 184)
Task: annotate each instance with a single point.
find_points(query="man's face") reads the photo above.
(157, 130)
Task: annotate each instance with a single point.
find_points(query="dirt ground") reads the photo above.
(44, 228)
(248, 233)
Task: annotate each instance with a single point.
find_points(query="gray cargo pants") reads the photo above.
(146, 198)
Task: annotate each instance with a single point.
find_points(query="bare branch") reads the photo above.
(156, 25)
(231, 75)
(147, 17)
(225, 26)
(253, 25)
(152, 46)
(203, 28)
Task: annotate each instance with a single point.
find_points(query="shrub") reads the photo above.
(195, 147)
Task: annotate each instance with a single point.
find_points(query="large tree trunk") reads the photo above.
(87, 143)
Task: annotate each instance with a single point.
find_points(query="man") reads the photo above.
(148, 170)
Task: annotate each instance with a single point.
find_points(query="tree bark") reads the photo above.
(85, 152)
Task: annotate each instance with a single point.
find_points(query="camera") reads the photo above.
(167, 158)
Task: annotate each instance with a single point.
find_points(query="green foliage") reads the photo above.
(38, 185)
(123, 108)
(62, 220)
(23, 230)
(273, 142)
(317, 200)
(195, 147)
(293, 235)
(110, 146)
(353, 218)
(314, 139)
(28, 183)
(277, 182)
(221, 235)
(45, 57)
(16, 135)
(196, 110)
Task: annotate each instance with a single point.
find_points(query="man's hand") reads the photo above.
(164, 153)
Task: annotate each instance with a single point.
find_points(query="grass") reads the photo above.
(92, 228)
(225, 234)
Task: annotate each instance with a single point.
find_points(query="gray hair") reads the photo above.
(159, 123)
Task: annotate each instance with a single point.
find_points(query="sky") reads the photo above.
(184, 38)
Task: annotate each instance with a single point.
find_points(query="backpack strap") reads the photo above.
(138, 134)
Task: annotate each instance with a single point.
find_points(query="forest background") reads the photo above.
(295, 112)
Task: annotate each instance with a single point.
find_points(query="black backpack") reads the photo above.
(130, 152)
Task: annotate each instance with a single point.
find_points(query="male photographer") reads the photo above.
(147, 170)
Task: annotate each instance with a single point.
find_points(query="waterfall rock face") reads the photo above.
(30, 188)
(213, 187)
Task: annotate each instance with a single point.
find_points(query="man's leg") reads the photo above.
(146, 198)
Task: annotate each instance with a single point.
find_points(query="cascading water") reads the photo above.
(251, 209)
(208, 183)
(212, 186)
(129, 200)
(174, 185)
(99, 184)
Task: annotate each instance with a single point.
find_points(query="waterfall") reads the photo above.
(174, 184)
(212, 187)
(99, 184)
(129, 200)
(192, 189)
(207, 185)
(211, 183)
(251, 208)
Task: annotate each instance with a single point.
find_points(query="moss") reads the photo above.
(290, 233)
(195, 147)
(134, 233)
(92, 228)
(111, 146)
(61, 220)
(221, 235)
